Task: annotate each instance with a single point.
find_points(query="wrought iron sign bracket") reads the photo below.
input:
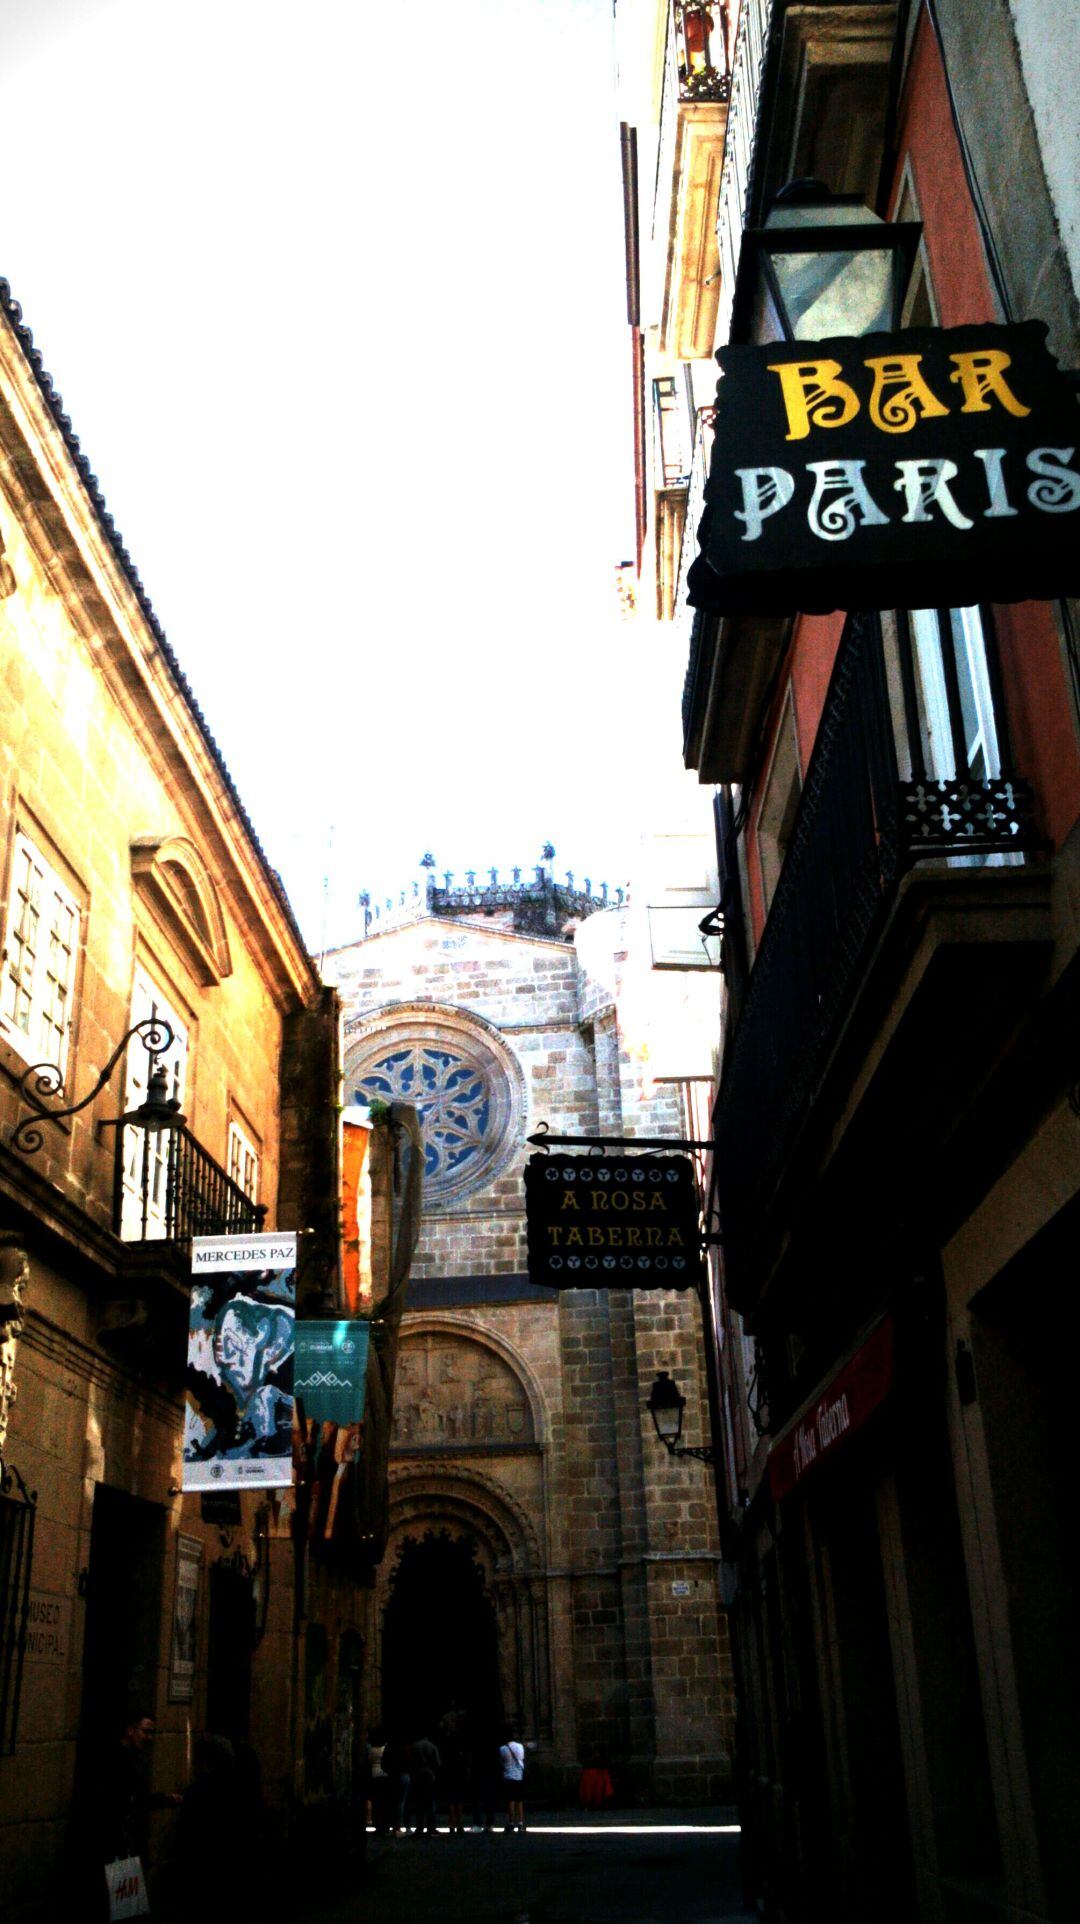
(42, 1087)
(543, 1139)
(701, 1452)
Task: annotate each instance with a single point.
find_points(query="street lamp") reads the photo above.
(824, 265)
(42, 1087)
(666, 1405)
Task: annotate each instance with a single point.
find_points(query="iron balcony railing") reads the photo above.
(695, 70)
(168, 1189)
(700, 42)
(695, 500)
(740, 145)
(858, 827)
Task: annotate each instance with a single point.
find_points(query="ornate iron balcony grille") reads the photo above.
(178, 1191)
(857, 829)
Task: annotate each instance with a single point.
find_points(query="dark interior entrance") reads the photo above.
(439, 1638)
(232, 1642)
(123, 1623)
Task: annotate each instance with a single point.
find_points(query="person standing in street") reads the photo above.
(512, 1762)
(426, 1764)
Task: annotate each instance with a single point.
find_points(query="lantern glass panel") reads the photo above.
(836, 292)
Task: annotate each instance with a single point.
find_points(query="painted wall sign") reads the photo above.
(612, 1222)
(238, 1402)
(931, 468)
(330, 1369)
(853, 1395)
(48, 1628)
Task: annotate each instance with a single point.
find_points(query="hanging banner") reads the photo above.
(355, 1211)
(613, 1222)
(239, 1392)
(330, 1370)
(933, 468)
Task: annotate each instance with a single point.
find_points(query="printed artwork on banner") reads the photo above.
(239, 1396)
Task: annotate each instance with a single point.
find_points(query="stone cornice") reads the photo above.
(79, 549)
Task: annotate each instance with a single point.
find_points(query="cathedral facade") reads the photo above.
(548, 1562)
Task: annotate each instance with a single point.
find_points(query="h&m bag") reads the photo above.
(126, 1886)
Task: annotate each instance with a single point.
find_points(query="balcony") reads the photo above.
(880, 981)
(167, 1189)
(693, 120)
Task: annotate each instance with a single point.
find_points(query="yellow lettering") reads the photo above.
(574, 1235)
(596, 1236)
(633, 1237)
(599, 1198)
(614, 1236)
(656, 1201)
(653, 1236)
(982, 372)
(555, 1232)
(900, 396)
(619, 1199)
(674, 1238)
(569, 1200)
(813, 396)
(640, 1199)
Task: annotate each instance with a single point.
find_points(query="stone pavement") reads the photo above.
(658, 1867)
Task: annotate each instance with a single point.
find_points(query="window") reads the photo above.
(243, 1161)
(40, 952)
(144, 1214)
(956, 707)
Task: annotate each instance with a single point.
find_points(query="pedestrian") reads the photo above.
(124, 1799)
(396, 1764)
(456, 1766)
(512, 1763)
(426, 1764)
(486, 1776)
(376, 1780)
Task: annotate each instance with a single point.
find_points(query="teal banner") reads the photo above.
(329, 1370)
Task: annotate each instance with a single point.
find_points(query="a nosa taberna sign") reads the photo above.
(612, 1222)
(931, 468)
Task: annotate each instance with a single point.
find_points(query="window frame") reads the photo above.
(30, 1044)
(240, 1136)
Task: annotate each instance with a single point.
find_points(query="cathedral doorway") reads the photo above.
(440, 1640)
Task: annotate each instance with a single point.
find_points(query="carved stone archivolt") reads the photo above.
(456, 1393)
(463, 1503)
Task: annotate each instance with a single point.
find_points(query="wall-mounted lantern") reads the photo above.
(666, 1405)
(43, 1088)
(823, 265)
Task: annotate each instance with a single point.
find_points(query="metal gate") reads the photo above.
(17, 1511)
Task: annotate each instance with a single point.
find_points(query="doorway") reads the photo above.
(440, 1641)
(232, 1643)
(123, 1625)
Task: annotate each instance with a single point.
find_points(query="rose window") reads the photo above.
(450, 1095)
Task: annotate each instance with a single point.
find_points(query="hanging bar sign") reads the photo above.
(613, 1222)
(933, 468)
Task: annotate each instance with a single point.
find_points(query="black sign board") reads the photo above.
(613, 1222)
(933, 468)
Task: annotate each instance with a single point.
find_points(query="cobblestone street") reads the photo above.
(682, 1868)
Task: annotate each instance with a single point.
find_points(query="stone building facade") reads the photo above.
(132, 885)
(547, 1561)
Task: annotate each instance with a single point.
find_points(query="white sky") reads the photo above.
(334, 297)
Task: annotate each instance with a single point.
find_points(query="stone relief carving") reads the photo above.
(14, 1273)
(455, 1392)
